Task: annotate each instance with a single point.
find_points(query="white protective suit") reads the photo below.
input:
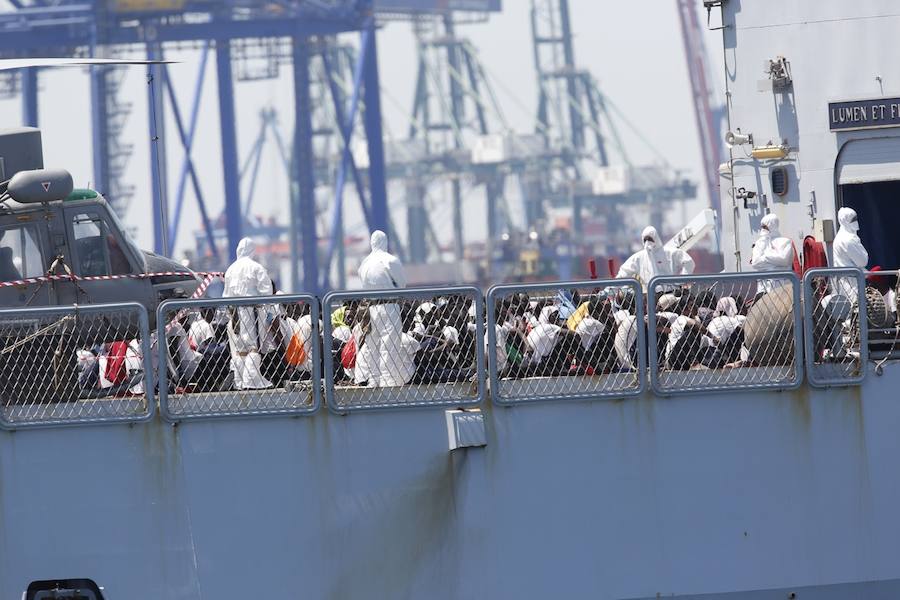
(655, 260)
(247, 325)
(381, 270)
(848, 252)
(771, 252)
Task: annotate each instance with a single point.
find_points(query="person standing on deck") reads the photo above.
(655, 260)
(381, 270)
(247, 327)
(848, 252)
(771, 252)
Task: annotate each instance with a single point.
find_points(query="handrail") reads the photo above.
(835, 325)
(262, 319)
(457, 388)
(42, 382)
(770, 357)
(26, 329)
(598, 371)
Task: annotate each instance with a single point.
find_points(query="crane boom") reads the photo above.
(707, 124)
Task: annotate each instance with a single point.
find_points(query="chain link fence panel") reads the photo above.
(836, 325)
(404, 348)
(731, 331)
(883, 329)
(566, 341)
(75, 364)
(238, 356)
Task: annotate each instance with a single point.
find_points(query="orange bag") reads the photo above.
(296, 352)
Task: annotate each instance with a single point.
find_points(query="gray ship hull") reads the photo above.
(726, 494)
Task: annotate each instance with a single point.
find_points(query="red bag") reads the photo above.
(348, 354)
(115, 363)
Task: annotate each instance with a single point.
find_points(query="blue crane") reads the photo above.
(95, 28)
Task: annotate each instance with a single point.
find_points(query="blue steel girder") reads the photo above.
(233, 222)
(257, 158)
(30, 97)
(346, 133)
(346, 122)
(304, 165)
(20, 36)
(187, 140)
(187, 165)
(374, 138)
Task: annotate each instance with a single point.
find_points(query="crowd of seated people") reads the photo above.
(204, 347)
(431, 341)
(597, 334)
(700, 330)
(565, 334)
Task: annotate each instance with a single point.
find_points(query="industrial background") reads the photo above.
(306, 162)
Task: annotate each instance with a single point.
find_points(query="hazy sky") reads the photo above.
(634, 49)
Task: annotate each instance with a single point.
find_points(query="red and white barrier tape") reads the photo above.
(198, 293)
(20, 282)
(201, 289)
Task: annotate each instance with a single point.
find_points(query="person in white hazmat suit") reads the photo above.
(655, 260)
(381, 270)
(848, 251)
(771, 252)
(247, 325)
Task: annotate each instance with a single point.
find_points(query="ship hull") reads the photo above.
(713, 494)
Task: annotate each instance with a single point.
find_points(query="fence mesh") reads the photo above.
(835, 302)
(74, 364)
(883, 329)
(404, 348)
(565, 341)
(238, 356)
(728, 331)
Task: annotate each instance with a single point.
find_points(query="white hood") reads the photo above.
(847, 219)
(772, 224)
(246, 248)
(379, 241)
(651, 232)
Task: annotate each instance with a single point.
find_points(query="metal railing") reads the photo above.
(883, 329)
(429, 347)
(566, 341)
(730, 331)
(835, 326)
(404, 348)
(75, 364)
(239, 357)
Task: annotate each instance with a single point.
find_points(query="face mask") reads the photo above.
(650, 245)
